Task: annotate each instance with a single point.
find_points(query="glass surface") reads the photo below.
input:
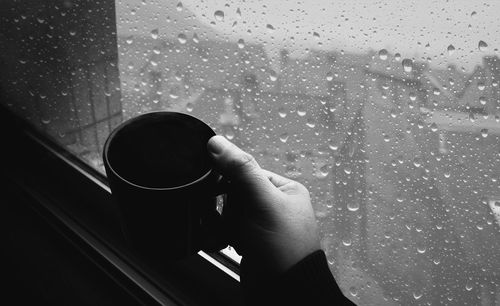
(388, 111)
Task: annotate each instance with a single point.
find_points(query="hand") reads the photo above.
(269, 218)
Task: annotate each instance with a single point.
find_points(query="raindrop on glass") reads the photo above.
(270, 27)
(219, 15)
(284, 137)
(353, 291)
(241, 43)
(484, 133)
(353, 206)
(417, 295)
(282, 112)
(311, 123)
(482, 46)
(382, 54)
(329, 76)
(451, 49)
(179, 7)
(229, 134)
(407, 65)
(273, 76)
(154, 34)
(195, 38)
(301, 111)
(182, 38)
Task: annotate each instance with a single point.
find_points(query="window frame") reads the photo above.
(77, 200)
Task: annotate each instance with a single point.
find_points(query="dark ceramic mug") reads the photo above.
(162, 180)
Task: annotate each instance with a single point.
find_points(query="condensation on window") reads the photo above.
(388, 111)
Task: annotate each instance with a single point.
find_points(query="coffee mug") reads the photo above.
(163, 182)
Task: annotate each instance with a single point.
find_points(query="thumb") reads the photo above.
(236, 165)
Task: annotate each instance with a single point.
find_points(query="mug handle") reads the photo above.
(214, 233)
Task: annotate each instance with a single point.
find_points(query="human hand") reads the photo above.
(269, 218)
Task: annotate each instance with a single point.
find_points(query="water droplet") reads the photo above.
(329, 76)
(270, 27)
(473, 14)
(484, 133)
(154, 34)
(324, 171)
(417, 161)
(353, 206)
(301, 110)
(182, 38)
(219, 15)
(316, 35)
(241, 43)
(229, 134)
(45, 120)
(284, 137)
(333, 146)
(129, 40)
(407, 65)
(480, 85)
(195, 38)
(72, 33)
(382, 54)
(397, 57)
(346, 242)
(353, 291)
(179, 7)
(273, 76)
(238, 12)
(417, 295)
(413, 96)
(386, 137)
(434, 127)
(310, 123)
(451, 49)
(469, 286)
(347, 170)
(282, 112)
(482, 46)
(482, 100)
(421, 249)
(40, 20)
(189, 107)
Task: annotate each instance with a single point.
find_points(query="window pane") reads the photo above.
(60, 72)
(388, 111)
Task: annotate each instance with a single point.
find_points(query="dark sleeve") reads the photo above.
(309, 282)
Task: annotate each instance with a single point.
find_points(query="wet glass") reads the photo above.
(388, 111)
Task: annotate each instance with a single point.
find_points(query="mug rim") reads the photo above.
(139, 117)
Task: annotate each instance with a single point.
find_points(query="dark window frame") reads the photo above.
(77, 198)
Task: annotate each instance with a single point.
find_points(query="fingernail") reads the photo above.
(217, 144)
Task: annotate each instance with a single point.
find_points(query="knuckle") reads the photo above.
(243, 160)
